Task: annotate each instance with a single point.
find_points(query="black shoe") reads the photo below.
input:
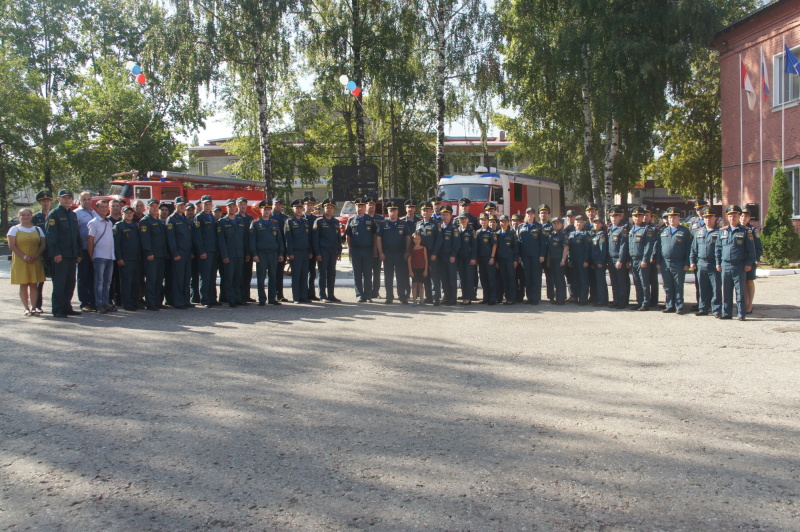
(305, 300)
(232, 305)
(296, 300)
(490, 303)
(428, 300)
(701, 313)
(695, 307)
(250, 300)
(334, 300)
(283, 299)
(404, 301)
(60, 315)
(71, 312)
(741, 318)
(388, 302)
(718, 316)
(680, 312)
(726, 318)
(274, 303)
(151, 308)
(643, 308)
(130, 309)
(313, 298)
(196, 301)
(669, 311)
(436, 303)
(362, 299)
(242, 303)
(508, 302)
(262, 303)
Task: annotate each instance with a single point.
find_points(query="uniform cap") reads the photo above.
(410, 203)
(544, 207)
(43, 195)
(672, 211)
(277, 200)
(392, 205)
(530, 209)
(638, 211)
(733, 208)
(328, 201)
(426, 205)
(581, 218)
(590, 205)
(647, 210)
(436, 199)
(616, 209)
(745, 210)
(464, 214)
(597, 220)
(516, 217)
(231, 201)
(699, 204)
(493, 218)
(241, 199)
(483, 216)
(127, 208)
(708, 211)
(371, 199)
(357, 201)
(446, 208)
(180, 200)
(571, 212)
(503, 218)
(464, 201)
(489, 205)
(297, 202)
(190, 205)
(309, 199)
(263, 203)
(64, 192)
(152, 201)
(217, 208)
(206, 198)
(558, 221)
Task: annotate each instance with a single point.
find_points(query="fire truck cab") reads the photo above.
(512, 192)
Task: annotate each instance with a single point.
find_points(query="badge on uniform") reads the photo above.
(52, 221)
(197, 223)
(169, 226)
(144, 229)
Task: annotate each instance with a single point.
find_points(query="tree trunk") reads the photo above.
(588, 138)
(392, 152)
(440, 83)
(357, 74)
(263, 130)
(612, 146)
(3, 194)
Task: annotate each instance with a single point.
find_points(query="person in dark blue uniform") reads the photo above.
(432, 240)
(557, 252)
(233, 242)
(205, 249)
(194, 282)
(486, 252)
(580, 253)
(280, 218)
(448, 255)
(519, 271)
(618, 258)
(361, 234)
(532, 251)
(128, 254)
(463, 205)
(266, 248)
(153, 236)
(372, 203)
(695, 223)
(735, 255)
(297, 234)
(507, 259)
(436, 202)
(704, 262)
(245, 220)
(547, 229)
(750, 277)
(651, 221)
(309, 205)
(393, 241)
(467, 259)
(45, 200)
(641, 245)
(64, 248)
(326, 243)
(676, 247)
(599, 261)
(179, 238)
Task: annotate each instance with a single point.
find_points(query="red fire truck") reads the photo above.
(166, 186)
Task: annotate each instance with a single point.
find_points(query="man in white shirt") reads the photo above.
(85, 214)
(100, 247)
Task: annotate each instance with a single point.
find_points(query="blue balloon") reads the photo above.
(136, 69)
(351, 86)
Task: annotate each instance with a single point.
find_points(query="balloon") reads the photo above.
(343, 79)
(356, 92)
(129, 65)
(141, 79)
(351, 85)
(136, 69)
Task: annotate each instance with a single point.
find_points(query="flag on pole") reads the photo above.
(747, 85)
(764, 81)
(792, 65)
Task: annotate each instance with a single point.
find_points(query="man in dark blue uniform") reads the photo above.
(128, 253)
(507, 256)
(432, 240)
(486, 253)
(580, 253)
(298, 248)
(651, 221)
(618, 258)
(179, 238)
(266, 248)
(247, 266)
(280, 218)
(641, 245)
(675, 247)
(735, 254)
(599, 261)
(376, 260)
(233, 242)
(393, 237)
(557, 252)
(153, 236)
(448, 254)
(65, 249)
(205, 248)
(309, 204)
(361, 234)
(464, 204)
(750, 284)
(532, 251)
(467, 259)
(704, 262)
(326, 242)
(547, 229)
(45, 199)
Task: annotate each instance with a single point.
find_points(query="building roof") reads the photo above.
(747, 19)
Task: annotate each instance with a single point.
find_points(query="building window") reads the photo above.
(793, 175)
(786, 87)
(202, 167)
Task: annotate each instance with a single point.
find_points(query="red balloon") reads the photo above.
(141, 79)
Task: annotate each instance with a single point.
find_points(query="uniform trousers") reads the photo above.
(63, 285)
(327, 273)
(312, 278)
(208, 278)
(466, 272)
(376, 276)
(641, 281)
(448, 277)
(733, 276)
(396, 267)
(300, 275)
(362, 271)
(433, 282)
(620, 283)
(549, 281)
(532, 269)
(267, 269)
(181, 278)
(488, 279)
(232, 276)
(580, 282)
(710, 282)
(247, 277)
(559, 281)
(154, 281)
(653, 283)
(509, 277)
(130, 281)
(86, 280)
(674, 276)
(600, 287)
(194, 286)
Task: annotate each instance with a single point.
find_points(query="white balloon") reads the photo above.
(129, 65)
(343, 79)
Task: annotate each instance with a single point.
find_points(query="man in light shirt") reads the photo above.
(85, 214)
(100, 245)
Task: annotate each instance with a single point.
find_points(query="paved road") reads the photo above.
(336, 417)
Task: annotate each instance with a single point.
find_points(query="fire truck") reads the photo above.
(512, 192)
(166, 186)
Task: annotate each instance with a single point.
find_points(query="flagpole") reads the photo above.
(761, 133)
(783, 99)
(741, 137)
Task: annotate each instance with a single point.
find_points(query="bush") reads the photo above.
(781, 242)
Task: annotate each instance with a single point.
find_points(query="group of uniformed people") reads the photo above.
(507, 256)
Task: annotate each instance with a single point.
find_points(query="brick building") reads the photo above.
(747, 173)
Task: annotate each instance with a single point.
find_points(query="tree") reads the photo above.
(780, 239)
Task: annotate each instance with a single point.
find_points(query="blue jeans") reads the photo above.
(103, 268)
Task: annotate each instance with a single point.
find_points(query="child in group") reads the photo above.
(418, 266)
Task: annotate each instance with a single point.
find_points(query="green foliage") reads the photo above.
(780, 239)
